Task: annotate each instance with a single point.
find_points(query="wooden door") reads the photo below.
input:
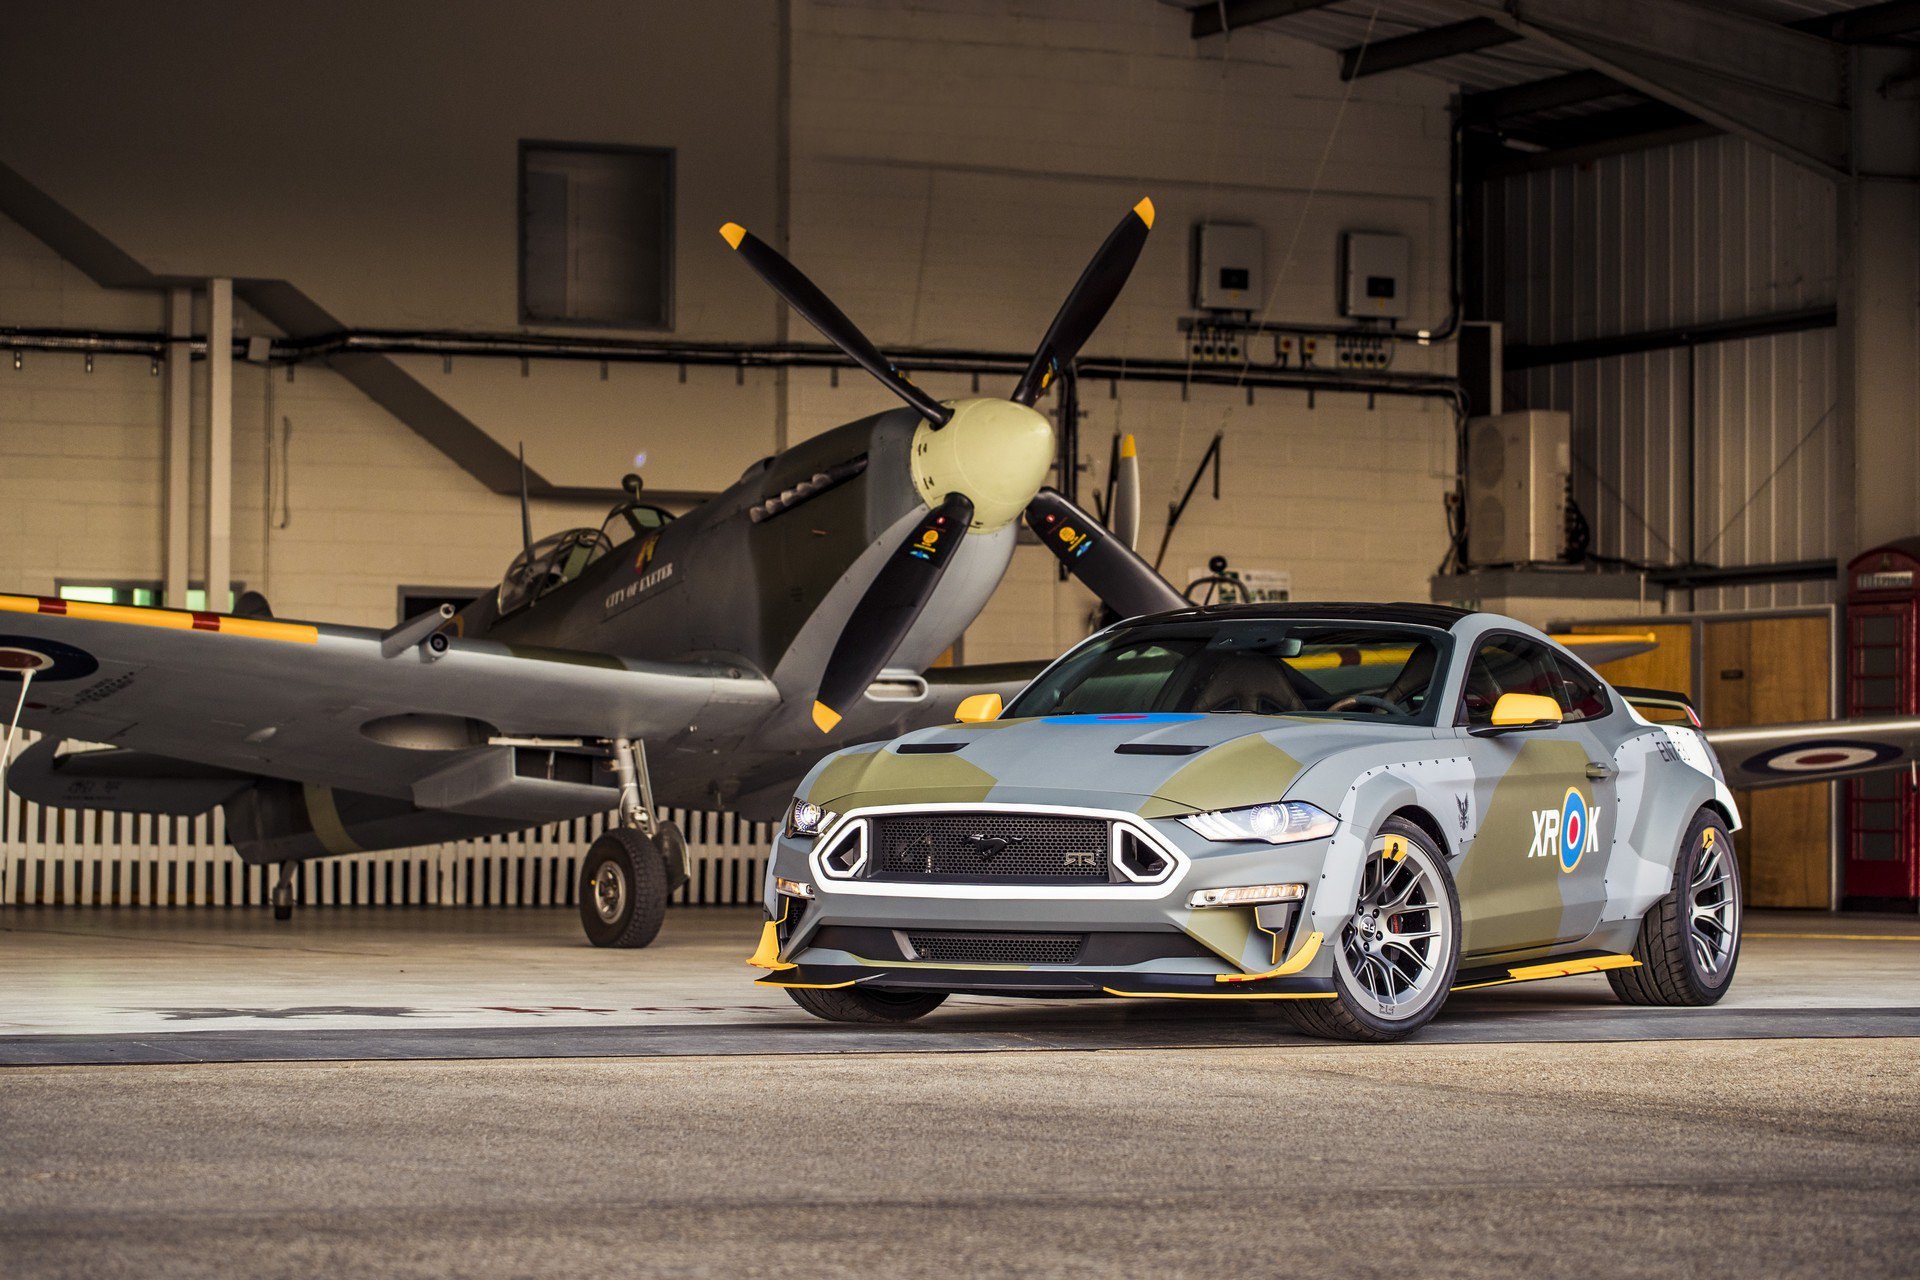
(1774, 671)
(1668, 665)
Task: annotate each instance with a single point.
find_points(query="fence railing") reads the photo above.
(89, 857)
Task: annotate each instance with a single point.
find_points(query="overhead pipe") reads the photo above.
(294, 351)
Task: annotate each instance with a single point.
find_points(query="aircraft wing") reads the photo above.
(321, 704)
(1779, 755)
(1601, 647)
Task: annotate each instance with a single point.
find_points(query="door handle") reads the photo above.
(1600, 772)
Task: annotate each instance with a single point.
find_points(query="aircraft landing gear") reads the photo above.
(283, 892)
(631, 870)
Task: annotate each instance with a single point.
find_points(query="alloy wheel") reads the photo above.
(1394, 947)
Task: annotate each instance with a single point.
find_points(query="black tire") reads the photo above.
(851, 1004)
(1671, 971)
(630, 914)
(1346, 1016)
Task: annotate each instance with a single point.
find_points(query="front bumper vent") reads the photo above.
(997, 948)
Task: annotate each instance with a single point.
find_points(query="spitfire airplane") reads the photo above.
(706, 660)
(701, 661)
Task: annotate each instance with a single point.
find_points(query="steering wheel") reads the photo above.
(1353, 700)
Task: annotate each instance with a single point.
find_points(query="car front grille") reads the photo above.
(997, 948)
(1017, 848)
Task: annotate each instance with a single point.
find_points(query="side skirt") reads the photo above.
(1564, 966)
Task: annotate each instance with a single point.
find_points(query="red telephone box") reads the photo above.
(1882, 810)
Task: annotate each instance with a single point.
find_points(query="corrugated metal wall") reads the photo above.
(1723, 453)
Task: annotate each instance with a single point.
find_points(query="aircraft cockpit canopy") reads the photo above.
(559, 558)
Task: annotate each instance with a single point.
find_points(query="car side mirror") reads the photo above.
(979, 709)
(1518, 712)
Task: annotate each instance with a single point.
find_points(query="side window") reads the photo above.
(1582, 697)
(1507, 664)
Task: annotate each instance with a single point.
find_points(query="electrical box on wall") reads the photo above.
(1374, 269)
(1229, 267)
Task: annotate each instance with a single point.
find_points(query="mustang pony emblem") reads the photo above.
(991, 847)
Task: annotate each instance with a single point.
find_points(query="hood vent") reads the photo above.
(1160, 748)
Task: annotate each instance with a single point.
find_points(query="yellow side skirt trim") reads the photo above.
(1222, 995)
(1555, 969)
(1301, 959)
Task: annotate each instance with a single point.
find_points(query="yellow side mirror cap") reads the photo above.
(979, 709)
(1524, 708)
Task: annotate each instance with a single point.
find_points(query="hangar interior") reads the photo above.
(1600, 315)
(361, 363)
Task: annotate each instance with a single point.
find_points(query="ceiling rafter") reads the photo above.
(1428, 45)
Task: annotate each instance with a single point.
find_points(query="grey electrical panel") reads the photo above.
(1374, 275)
(1229, 267)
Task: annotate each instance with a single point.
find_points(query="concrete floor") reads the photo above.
(129, 985)
(1778, 1136)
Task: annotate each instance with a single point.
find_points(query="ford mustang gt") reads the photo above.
(1347, 810)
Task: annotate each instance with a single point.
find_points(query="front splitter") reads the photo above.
(1052, 984)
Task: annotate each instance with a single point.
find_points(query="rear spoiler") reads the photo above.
(1662, 700)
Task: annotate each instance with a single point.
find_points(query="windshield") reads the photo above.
(1251, 666)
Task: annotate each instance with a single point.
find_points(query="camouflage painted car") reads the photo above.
(1349, 810)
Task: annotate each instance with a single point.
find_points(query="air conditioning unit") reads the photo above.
(1518, 467)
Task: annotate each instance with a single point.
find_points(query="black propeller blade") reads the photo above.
(887, 612)
(818, 310)
(1086, 306)
(1107, 566)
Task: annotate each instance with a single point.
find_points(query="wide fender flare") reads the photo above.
(1640, 870)
(1373, 798)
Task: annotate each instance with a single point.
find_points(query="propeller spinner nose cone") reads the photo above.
(995, 452)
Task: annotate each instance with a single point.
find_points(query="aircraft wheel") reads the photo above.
(1689, 942)
(1395, 958)
(851, 1004)
(623, 889)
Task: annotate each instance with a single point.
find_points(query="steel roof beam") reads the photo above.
(1491, 106)
(1781, 88)
(1867, 24)
(1416, 47)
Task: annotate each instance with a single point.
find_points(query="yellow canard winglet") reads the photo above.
(767, 954)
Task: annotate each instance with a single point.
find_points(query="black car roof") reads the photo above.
(1439, 616)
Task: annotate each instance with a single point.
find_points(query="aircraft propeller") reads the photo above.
(1007, 430)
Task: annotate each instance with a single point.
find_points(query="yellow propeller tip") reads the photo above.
(733, 233)
(1127, 449)
(1145, 210)
(825, 718)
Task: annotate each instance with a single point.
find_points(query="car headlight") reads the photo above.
(1281, 823)
(807, 819)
